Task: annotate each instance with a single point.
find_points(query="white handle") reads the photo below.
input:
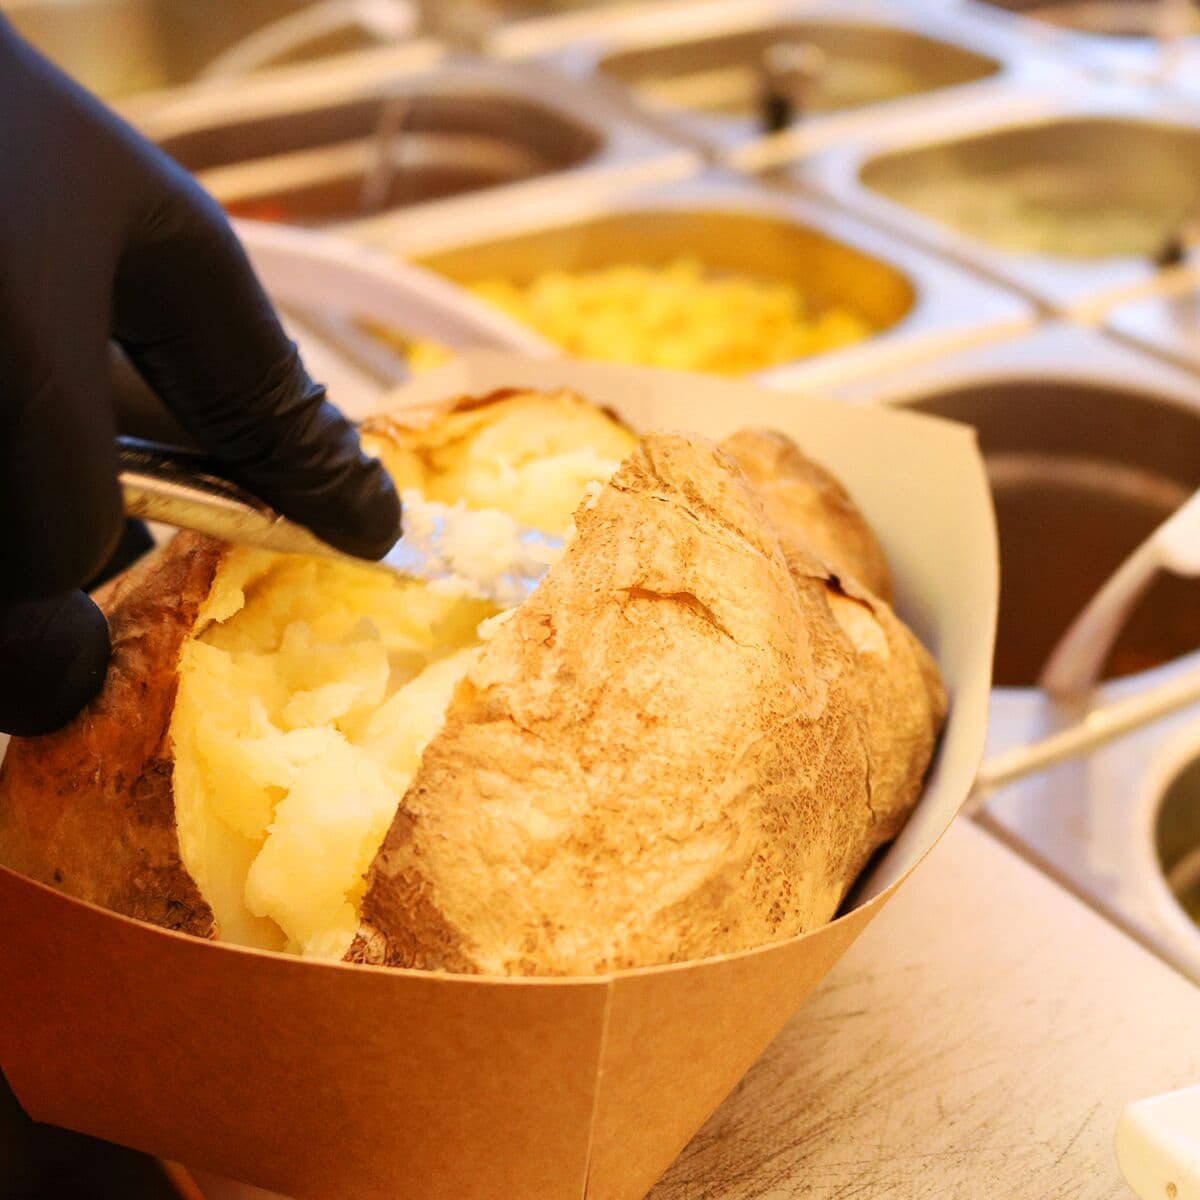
(380, 20)
(1158, 1146)
(1100, 726)
(318, 272)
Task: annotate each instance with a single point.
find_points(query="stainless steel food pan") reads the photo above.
(354, 143)
(1089, 446)
(700, 68)
(919, 305)
(121, 47)
(1067, 196)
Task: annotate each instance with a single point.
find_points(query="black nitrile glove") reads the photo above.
(102, 236)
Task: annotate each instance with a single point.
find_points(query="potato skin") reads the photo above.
(804, 499)
(688, 741)
(89, 809)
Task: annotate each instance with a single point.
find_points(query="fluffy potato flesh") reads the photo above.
(529, 457)
(309, 689)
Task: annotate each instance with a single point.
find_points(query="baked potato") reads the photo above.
(688, 741)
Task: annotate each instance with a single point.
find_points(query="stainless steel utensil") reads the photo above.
(182, 488)
(791, 72)
(395, 117)
(1174, 249)
(713, 71)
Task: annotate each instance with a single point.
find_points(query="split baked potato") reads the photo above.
(688, 741)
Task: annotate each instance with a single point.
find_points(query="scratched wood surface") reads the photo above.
(979, 1041)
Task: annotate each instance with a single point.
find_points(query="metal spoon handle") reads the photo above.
(185, 489)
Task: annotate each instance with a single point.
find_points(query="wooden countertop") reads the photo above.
(979, 1041)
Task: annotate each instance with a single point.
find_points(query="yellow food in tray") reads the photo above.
(681, 315)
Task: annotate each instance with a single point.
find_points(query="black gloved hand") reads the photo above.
(102, 236)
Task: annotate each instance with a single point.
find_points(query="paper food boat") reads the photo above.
(326, 1080)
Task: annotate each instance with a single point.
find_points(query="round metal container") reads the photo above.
(1080, 475)
(1089, 445)
(364, 156)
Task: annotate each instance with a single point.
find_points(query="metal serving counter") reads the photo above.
(977, 1043)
